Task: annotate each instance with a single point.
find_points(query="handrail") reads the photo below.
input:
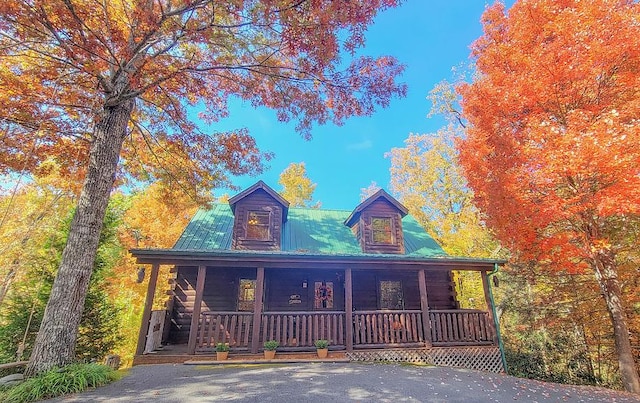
(226, 313)
(387, 311)
(456, 310)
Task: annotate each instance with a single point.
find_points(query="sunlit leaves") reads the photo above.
(552, 142)
(297, 188)
(62, 61)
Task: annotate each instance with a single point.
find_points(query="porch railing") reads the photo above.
(371, 328)
(224, 327)
(461, 326)
(302, 329)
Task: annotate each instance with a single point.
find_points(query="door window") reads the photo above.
(391, 295)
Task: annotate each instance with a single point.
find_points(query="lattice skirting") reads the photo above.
(479, 358)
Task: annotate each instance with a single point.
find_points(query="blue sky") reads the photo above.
(429, 37)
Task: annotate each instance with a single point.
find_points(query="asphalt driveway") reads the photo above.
(332, 382)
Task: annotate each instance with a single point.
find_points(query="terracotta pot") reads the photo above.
(322, 352)
(221, 355)
(269, 354)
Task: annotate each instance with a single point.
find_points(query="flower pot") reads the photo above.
(221, 355)
(322, 352)
(269, 354)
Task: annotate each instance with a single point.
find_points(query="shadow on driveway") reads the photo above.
(328, 382)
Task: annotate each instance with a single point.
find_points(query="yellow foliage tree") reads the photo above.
(427, 179)
(297, 188)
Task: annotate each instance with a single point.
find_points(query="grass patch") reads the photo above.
(73, 378)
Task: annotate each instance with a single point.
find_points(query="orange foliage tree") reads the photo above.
(552, 143)
(90, 83)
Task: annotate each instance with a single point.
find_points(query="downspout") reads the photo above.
(495, 318)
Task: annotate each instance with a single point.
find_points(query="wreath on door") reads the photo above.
(323, 293)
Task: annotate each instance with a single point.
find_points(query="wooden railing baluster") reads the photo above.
(370, 328)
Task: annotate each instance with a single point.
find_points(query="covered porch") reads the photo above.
(359, 306)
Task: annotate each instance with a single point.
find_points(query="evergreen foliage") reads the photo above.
(24, 307)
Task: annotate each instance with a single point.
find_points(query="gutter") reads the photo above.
(495, 318)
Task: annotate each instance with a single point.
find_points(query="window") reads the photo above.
(391, 295)
(246, 294)
(382, 230)
(258, 225)
(323, 295)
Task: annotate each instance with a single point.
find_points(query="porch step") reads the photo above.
(281, 358)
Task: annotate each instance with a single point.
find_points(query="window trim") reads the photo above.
(392, 231)
(267, 225)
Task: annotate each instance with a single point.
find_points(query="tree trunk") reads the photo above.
(606, 274)
(8, 279)
(56, 340)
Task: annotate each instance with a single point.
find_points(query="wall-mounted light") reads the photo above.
(140, 278)
(304, 284)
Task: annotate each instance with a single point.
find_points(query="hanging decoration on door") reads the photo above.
(323, 295)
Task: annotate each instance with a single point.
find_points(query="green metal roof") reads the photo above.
(307, 231)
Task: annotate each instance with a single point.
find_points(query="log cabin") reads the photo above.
(371, 281)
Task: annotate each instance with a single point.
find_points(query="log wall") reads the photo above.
(220, 294)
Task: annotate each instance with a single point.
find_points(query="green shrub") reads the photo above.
(271, 345)
(322, 344)
(221, 347)
(73, 378)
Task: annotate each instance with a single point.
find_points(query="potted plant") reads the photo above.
(322, 348)
(222, 351)
(270, 347)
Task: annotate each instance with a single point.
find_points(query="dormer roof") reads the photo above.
(260, 185)
(355, 214)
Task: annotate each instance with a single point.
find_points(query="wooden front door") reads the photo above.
(327, 293)
(324, 292)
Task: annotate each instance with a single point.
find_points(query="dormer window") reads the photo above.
(377, 224)
(382, 230)
(258, 223)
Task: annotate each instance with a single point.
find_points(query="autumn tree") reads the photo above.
(552, 142)
(105, 89)
(427, 179)
(28, 214)
(155, 216)
(297, 188)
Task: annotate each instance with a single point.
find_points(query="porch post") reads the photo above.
(487, 298)
(348, 308)
(146, 313)
(197, 306)
(424, 306)
(257, 310)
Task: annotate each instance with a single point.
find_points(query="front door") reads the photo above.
(324, 294)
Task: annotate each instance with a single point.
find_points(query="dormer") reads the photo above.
(259, 214)
(377, 224)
